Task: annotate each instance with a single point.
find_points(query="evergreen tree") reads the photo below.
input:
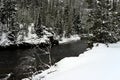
(77, 24)
(8, 17)
(103, 28)
(38, 27)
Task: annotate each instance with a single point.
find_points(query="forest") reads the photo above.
(41, 24)
(65, 17)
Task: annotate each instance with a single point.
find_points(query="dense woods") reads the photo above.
(65, 17)
(105, 18)
(30, 20)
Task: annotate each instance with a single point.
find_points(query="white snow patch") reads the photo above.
(72, 38)
(4, 40)
(99, 63)
(7, 77)
(32, 37)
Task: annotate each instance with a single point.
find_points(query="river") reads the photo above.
(18, 60)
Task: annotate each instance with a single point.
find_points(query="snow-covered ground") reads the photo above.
(72, 38)
(4, 40)
(31, 37)
(99, 63)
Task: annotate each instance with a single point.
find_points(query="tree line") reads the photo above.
(65, 17)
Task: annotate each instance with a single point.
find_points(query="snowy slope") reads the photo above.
(100, 63)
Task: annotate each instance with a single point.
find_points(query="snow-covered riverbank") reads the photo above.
(100, 63)
(72, 38)
(32, 37)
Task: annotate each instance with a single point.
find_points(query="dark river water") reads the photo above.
(11, 59)
(68, 50)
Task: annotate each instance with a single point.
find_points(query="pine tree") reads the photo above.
(77, 24)
(103, 28)
(38, 27)
(8, 17)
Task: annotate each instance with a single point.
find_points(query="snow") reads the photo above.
(31, 37)
(72, 38)
(99, 63)
(7, 76)
(4, 40)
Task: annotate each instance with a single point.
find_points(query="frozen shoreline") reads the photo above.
(99, 63)
(67, 40)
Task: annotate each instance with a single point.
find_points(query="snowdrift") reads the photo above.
(99, 63)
